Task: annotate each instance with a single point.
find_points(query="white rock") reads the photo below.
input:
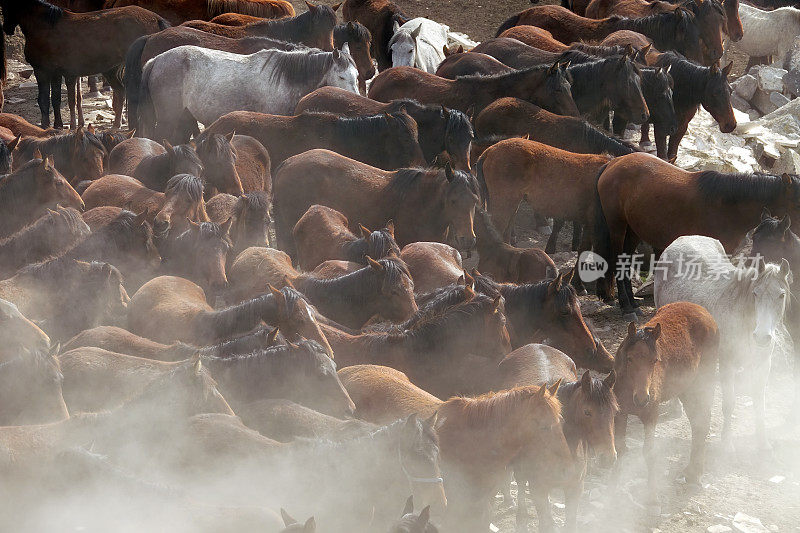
(748, 524)
(770, 78)
(718, 528)
(745, 86)
(779, 99)
(740, 103)
(777, 479)
(762, 102)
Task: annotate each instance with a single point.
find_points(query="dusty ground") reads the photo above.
(734, 483)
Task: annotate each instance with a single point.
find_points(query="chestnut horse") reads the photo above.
(710, 203)
(674, 355)
(78, 155)
(387, 141)
(314, 28)
(323, 233)
(426, 205)
(153, 164)
(383, 288)
(470, 63)
(377, 16)
(178, 11)
(432, 265)
(200, 254)
(249, 215)
(104, 37)
(440, 129)
(536, 37)
(548, 87)
(37, 186)
(168, 308)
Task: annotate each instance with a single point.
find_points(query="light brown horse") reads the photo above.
(78, 155)
(323, 233)
(536, 37)
(674, 355)
(21, 127)
(178, 11)
(169, 308)
(152, 163)
(253, 164)
(383, 288)
(432, 265)
(425, 205)
(249, 216)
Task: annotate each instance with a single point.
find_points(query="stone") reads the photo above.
(789, 162)
(753, 114)
(779, 99)
(792, 59)
(791, 82)
(762, 102)
(740, 103)
(770, 78)
(745, 86)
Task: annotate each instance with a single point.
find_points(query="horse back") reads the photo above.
(536, 37)
(164, 308)
(339, 101)
(319, 235)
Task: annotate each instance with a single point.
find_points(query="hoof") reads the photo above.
(630, 316)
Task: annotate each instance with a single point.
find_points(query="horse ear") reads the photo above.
(336, 54)
(610, 379)
(375, 265)
(287, 282)
(586, 382)
(461, 280)
(140, 218)
(130, 134)
(287, 519)
(656, 331)
(167, 145)
(280, 299)
(346, 48)
(37, 154)
(226, 226)
(542, 390)
(55, 349)
(765, 214)
(715, 67)
(469, 280)
(555, 285)
(630, 51)
(498, 300)
(364, 231)
(311, 7)
(390, 228)
(409, 506)
(48, 162)
(646, 49)
(631, 329)
(336, 7)
(229, 137)
(192, 224)
(311, 524)
(785, 271)
(469, 293)
(416, 31)
(197, 365)
(272, 338)
(431, 420)
(350, 25)
(787, 180)
(424, 517)
(446, 51)
(395, 26)
(470, 112)
(668, 69)
(553, 68)
(727, 69)
(13, 144)
(90, 128)
(553, 390)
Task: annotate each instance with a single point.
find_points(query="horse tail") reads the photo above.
(508, 23)
(147, 113)
(133, 79)
(482, 182)
(601, 235)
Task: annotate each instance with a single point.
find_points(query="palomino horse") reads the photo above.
(383, 288)
(426, 205)
(52, 234)
(674, 355)
(166, 211)
(774, 240)
(153, 164)
(249, 215)
(66, 296)
(548, 87)
(78, 155)
(168, 308)
(549, 310)
(37, 186)
(677, 30)
(514, 117)
(719, 205)
(178, 11)
(379, 17)
(440, 129)
(418, 43)
(432, 265)
(197, 79)
(302, 372)
(314, 28)
(749, 305)
(387, 141)
(103, 37)
(323, 233)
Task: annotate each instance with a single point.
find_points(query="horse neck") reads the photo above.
(588, 91)
(489, 241)
(240, 318)
(351, 349)
(348, 294)
(154, 166)
(571, 426)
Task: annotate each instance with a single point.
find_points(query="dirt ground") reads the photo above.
(762, 485)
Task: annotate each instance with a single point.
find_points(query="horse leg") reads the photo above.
(726, 378)
(55, 100)
(522, 504)
(541, 500)
(79, 102)
(71, 82)
(43, 85)
(620, 125)
(644, 140)
(620, 432)
(572, 498)
(550, 248)
(118, 99)
(584, 245)
(577, 233)
(675, 139)
(649, 419)
(698, 409)
(759, 400)
(661, 142)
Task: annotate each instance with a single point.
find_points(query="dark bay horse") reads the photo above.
(249, 215)
(78, 155)
(313, 28)
(425, 205)
(153, 164)
(378, 16)
(104, 37)
(657, 88)
(386, 141)
(548, 87)
(178, 11)
(218, 157)
(360, 41)
(720, 205)
(200, 254)
(440, 129)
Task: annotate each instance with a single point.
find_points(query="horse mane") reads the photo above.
(506, 76)
(494, 409)
(377, 245)
(690, 77)
(183, 151)
(307, 354)
(297, 66)
(16, 187)
(370, 126)
(223, 321)
(529, 295)
(429, 330)
(216, 145)
(61, 143)
(270, 43)
(344, 32)
(650, 78)
(44, 227)
(591, 72)
(436, 303)
(607, 143)
(595, 50)
(52, 13)
(393, 271)
(283, 28)
(662, 26)
(734, 187)
(59, 270)
(405, 179)
(187, 184)
(247, 343)
(598, 393)
(245, 7)
(457, 120)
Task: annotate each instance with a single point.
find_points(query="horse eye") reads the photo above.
(587, 412)
(782, 295)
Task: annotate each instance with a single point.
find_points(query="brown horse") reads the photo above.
(514, 117)
(96, 379)
(506, 263)
(436, 349)
(548, 87)
(78, 155)
(676, 30)
(387, 141)
(52, 234)
(153, 164)
(432, 265)
(426, 205)
(378, 17)
(673, 356)
(166, 211)
(714, 204)
(66, 296)
(383, 288)
(200, 254)
(323, 233)
(104, 38)
(414, 523)
(314, 28)
(249, 216)
(359, 39)
(536, 37)
(37, 186)
(440, 129)
(21, 127)
(178, 11)
(218, 157)
(168, 308)
(470, 63)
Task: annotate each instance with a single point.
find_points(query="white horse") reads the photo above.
(766, 33)
(419, 43)
(210, 83)
(748, 304)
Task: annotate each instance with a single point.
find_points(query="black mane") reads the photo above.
(735, 187)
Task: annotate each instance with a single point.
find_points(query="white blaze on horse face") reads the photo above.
(770, 305)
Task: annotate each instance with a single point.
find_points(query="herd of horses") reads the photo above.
(306, 248)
